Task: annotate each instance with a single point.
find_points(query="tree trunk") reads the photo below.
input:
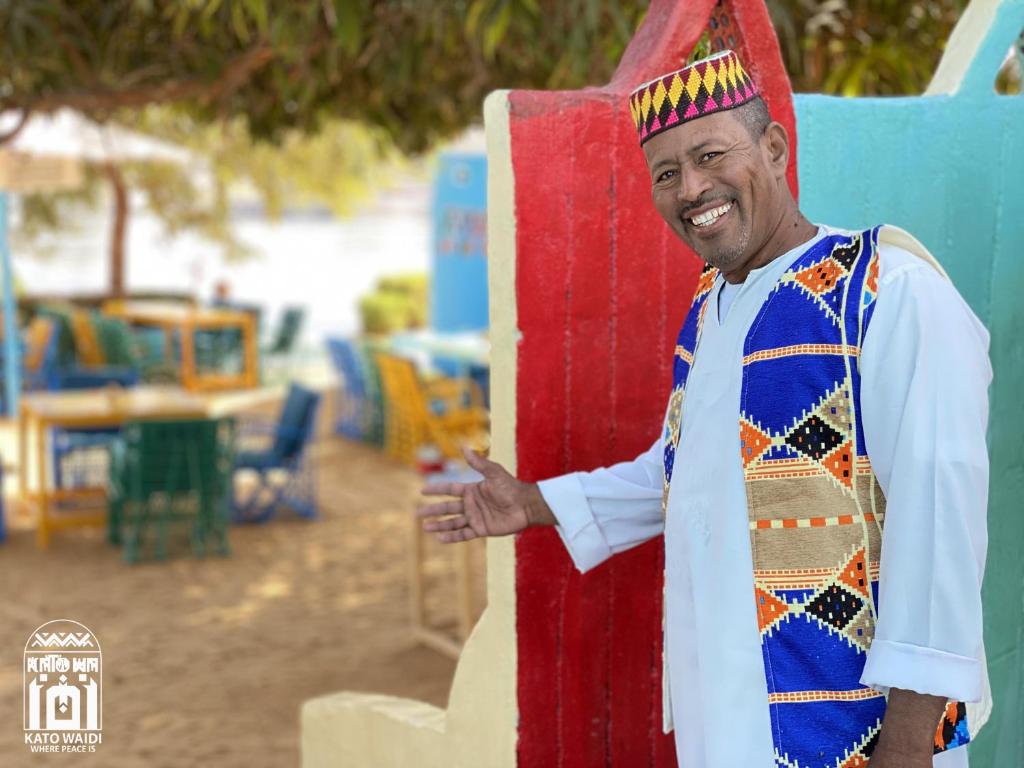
(117, 231)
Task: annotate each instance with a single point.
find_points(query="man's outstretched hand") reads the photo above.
(496, 506)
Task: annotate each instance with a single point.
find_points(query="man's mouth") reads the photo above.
(709, 217)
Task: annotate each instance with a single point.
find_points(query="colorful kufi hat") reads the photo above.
(704, 87)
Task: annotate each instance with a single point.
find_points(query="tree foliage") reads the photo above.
(309, 100)
(417, 68)
(863, 47)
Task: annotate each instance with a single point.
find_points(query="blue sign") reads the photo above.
(459, 280)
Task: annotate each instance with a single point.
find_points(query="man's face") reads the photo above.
(716, 187)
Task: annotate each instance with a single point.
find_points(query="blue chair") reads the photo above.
(284, 477)
(80, 457)
(43, 369)
(353, 410)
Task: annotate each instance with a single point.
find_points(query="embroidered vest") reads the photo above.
(815, 507)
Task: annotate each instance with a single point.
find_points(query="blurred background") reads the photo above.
(245, 314)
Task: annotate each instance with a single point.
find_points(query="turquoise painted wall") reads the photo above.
(949, 168)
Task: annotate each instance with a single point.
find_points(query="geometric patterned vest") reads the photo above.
(815, 508)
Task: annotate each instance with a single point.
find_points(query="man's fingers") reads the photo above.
(454, 537)
(444, 489)
(442, 509)
(485, 467)
(448, 524)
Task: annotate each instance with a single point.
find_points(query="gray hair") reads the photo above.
(754, 117)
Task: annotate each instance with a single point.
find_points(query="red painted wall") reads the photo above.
(602, 286)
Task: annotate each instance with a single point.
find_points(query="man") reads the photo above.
(824, 443)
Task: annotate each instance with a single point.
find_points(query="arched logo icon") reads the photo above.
(63, 678)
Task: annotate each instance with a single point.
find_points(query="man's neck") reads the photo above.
(791, 230)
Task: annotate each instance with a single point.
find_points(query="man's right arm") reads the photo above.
(608, 510)
(597, 514)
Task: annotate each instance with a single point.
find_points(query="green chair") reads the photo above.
(171, 473)
(287, 333)
(279, 356)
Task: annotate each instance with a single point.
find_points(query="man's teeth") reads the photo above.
(710, 216)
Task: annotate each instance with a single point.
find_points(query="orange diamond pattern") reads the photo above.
(872, 278)
(706, 281)
(855, 761)
(769, 608)
(840, 464)
(753, 442)
(855, 573)
(821, 277)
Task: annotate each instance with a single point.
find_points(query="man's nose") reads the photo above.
(693, 183)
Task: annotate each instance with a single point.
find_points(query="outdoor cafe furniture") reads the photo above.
(286, 337)
(447, 413)
(465, 610)
(166, 474)
(185, 322)
(109, 342)
(43, 369)
(43, 412)
(3, 522)
(357, 412)
(454, 353)
(283, 473)
(459, 354)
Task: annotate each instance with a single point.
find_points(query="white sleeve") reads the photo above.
(924, 404)
(609, 510)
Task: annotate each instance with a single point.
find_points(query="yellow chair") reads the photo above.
(447, 413)
(87, 344)
(38, 339)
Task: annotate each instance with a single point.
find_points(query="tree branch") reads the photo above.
(234, 75)
(13, 133)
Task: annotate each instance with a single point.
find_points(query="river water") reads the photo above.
(307, 258)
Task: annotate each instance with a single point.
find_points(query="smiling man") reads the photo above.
(821, 478)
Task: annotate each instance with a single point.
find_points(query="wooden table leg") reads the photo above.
(43, 529)
(416, 607)
(464, 575)
(188, 357)
(23, 451)
(250, 352)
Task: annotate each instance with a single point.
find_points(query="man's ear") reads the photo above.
(776, 144)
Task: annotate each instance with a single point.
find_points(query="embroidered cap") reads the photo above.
(710, 85)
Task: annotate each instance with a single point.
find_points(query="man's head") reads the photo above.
(717, 162)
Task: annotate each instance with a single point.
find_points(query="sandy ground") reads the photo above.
(207, 662)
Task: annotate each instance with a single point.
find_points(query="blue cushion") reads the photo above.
(256, 460)
(296, 423)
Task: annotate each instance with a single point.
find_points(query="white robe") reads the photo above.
(924, 404)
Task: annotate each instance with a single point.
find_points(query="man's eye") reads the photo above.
(709, 156)
(665, 176)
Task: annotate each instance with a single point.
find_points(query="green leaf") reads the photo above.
(238, 22)
(348, 31)
(181, 20)
(475, 16)
(210, 10)
(495, 31)
(258, 13)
